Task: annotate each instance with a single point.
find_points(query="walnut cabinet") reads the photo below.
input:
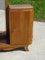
(19, 20)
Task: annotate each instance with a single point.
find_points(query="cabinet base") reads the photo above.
(8, 47)
(26, 48)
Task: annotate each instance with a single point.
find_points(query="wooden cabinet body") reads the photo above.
(20, 24)
(19, 20)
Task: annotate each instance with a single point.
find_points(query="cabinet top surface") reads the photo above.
(20, 6)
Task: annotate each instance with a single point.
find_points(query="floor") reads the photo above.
(36, 49)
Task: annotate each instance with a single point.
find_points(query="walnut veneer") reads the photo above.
(19, 20)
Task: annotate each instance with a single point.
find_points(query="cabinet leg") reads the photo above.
(26, 48)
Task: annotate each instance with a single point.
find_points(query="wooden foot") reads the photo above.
(6, 46)
(26, 48)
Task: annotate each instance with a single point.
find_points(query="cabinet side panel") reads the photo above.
(21, 27)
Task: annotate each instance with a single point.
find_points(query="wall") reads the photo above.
(2, 4)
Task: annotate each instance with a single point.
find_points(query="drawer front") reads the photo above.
(19, 27)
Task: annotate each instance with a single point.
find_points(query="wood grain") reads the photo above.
(19, 25)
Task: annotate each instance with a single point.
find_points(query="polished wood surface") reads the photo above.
(19, 25)
(20, 21)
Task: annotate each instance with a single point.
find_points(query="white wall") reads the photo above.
(2, 4)
(2, 16)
